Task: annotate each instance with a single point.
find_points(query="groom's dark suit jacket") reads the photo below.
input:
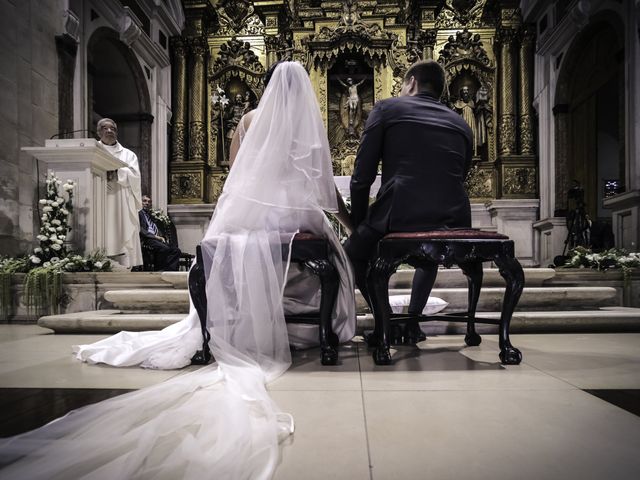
(425, 149)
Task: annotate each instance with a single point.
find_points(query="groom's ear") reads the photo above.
(409, 87)
(413, 86)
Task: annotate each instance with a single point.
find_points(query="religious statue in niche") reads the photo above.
(475, 113)
(226, 113)
(352, 105)
(235, 114)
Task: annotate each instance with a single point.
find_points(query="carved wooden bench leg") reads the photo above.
(511, 270)
(198, 292)
(378, 284)
(329, 284)
(473, 272)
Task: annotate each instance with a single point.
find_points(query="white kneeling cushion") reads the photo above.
(399, 304)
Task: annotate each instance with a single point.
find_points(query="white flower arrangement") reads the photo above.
(581, 257)
(54, 219)
(160, 218)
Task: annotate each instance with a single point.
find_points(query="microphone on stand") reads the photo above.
(92, 132)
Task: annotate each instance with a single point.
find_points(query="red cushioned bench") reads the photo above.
(466, 248)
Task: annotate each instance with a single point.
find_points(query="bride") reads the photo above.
(218, 421)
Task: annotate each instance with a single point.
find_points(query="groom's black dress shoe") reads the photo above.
(412, 333)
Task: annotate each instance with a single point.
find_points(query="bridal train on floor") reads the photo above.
(218, 421)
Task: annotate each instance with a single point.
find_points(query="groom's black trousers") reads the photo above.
(361, 247)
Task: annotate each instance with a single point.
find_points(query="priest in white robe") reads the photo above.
(124, 200)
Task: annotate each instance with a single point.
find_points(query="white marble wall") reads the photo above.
(166, 17)
(551, 49)
(29, 93)
(191, 223)
(28, 111)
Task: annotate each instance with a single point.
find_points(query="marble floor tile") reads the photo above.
(541, 434)
(307, 373)
(330, 438)
(70, 373)
(587, 361)
(446, 363)
(12, 332)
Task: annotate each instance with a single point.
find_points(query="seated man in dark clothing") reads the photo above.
(165, 257)
(426, 150)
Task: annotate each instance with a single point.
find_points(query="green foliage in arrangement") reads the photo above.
(43, 291)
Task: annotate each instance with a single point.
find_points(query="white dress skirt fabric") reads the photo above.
(218, 421)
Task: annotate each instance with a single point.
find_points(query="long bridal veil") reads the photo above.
(219, 421)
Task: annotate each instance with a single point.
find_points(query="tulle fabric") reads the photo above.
(219, 421)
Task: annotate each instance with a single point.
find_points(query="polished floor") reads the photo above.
(443, 411)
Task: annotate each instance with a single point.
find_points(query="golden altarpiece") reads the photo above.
(356, 53)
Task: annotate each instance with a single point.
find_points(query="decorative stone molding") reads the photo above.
(454, 14)
(580, 12)
(130, 27)
(350, 34)
(465, 45)
(236, 16)
(71, 25)
(186, 186)
(519, 181)
(480, 183)
(236, 53)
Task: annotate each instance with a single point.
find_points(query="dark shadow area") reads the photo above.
(628, 400)
(24, 409)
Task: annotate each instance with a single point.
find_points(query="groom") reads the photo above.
(426, 150)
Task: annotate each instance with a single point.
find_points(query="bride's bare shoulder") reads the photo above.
(247, 118)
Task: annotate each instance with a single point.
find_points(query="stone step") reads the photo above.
(534, 298)
(454, 278)
(166, 300)
(606, 319)
(107, 321)
(609, 319)
(447, 278)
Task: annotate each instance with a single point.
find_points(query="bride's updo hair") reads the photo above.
(269, 72)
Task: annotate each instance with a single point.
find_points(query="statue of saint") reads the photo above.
(465, 106)
(235, 114)
(353, 102)
(248, 103)
(482, 111)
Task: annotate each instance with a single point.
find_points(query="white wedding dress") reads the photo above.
(219, 421)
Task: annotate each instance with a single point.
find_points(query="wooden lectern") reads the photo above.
(86, 162)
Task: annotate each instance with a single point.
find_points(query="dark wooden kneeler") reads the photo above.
(308, 249)
(465, 248)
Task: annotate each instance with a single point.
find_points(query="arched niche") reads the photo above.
(238, 73)
(117, 89)
(589, 117)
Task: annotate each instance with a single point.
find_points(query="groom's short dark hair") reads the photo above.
(429, 76)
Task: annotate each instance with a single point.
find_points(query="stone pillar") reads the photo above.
(197, 100)
(526, 75)
(561, 170)
(179, 107)
(506, 120)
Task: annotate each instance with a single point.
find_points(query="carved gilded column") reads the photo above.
(526, 100)
(426, 41)
(273, 44)
(197, 100)
(179, 107)
(507, 120)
